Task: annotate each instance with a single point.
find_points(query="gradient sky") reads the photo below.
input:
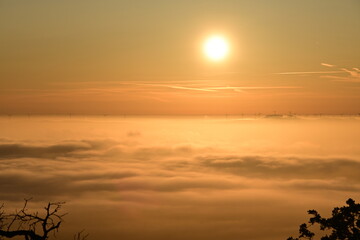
(144, 57)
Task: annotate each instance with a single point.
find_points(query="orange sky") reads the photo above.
(145, 57)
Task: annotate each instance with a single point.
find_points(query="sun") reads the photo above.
(216, 48)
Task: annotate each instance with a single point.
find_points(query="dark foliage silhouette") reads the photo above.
(33, 225)
(344, 224)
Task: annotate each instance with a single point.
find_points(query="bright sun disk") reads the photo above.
(216, 48)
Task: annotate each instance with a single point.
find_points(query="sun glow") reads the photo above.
(216, 48)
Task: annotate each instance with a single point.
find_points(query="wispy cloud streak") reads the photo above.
(302, 73)
(328, 65)
(353, 74)
(219, 88)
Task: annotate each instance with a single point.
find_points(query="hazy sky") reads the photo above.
(145, 57)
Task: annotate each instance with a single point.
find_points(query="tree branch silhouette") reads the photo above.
(33, 225)
(344, 224)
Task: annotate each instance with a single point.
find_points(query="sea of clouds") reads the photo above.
(180, 177)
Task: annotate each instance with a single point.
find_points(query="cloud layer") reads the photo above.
(205, 179)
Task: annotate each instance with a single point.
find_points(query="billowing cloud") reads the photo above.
(86, 166)
(286, 168)
(21, 150)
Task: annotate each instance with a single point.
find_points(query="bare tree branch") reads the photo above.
(80, 236)
(33, 226)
